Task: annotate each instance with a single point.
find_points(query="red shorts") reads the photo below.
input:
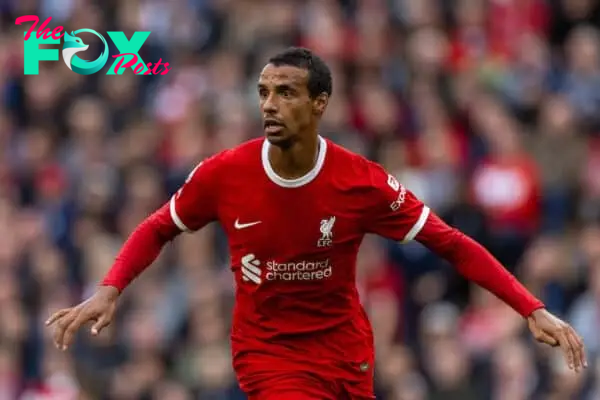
(303, 386)
(284, 372)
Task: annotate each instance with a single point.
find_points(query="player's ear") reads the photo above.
(320, 103)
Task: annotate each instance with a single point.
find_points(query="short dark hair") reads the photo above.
(319, 74)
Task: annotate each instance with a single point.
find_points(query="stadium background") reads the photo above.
(490, 111)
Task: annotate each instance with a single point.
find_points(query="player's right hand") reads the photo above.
(100, 308)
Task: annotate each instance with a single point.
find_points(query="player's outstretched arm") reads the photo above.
(191, 208)
(396, 213)
(139, 251)
(475, 263)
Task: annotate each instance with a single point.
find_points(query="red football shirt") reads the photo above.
(293, 246)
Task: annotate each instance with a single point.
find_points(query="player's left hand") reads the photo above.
(548, 329)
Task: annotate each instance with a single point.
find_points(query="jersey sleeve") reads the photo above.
(392, 211)
(195, 203)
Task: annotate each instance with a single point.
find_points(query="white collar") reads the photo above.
(297, 182)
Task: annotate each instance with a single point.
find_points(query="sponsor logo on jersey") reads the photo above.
(326, 239)
(396, 204)
(239, 225)
(254, 271)
(251, 269)
(298, 271)
(393, 182)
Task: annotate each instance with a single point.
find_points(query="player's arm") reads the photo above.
(394, 212)
(192, 207)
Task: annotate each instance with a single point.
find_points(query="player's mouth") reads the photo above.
(273, 127)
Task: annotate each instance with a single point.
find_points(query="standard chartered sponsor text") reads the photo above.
(298, 271)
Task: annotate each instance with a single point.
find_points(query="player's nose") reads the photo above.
(269, 106)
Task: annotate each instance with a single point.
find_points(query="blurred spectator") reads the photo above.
(560, 176)
(450, 370)
(547, 272)
(506, 184)
(513, 371)
(582, 78)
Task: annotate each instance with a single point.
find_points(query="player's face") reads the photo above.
(285, 104)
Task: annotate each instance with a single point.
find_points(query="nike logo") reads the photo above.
(247, 225)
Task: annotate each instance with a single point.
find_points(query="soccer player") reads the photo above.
(295, 207)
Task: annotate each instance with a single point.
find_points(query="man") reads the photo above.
(295, 208)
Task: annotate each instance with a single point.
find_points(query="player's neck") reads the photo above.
(295, 161)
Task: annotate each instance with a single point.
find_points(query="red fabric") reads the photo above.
(476, 264)
(141, 249)
(509, 193)
(293, 255)
(301, 385)
(145, 243)
(297, 393)
(297, 294)
(272, 376)
(300, 393)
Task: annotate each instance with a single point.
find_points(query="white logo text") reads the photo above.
(287, 271)
(298, 271)
(396, 204)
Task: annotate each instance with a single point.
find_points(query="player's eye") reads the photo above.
(287, 93)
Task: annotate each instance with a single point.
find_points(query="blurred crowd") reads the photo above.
(489, 110)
